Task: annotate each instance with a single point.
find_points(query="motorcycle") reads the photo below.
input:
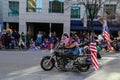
(116, 45)
(63, 61)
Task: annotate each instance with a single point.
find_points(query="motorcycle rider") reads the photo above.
(73, 47)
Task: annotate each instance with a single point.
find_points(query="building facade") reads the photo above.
(36, 15)
(47, 15)
(0, 10)
(110, 7)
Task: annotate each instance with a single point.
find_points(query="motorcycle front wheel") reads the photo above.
(47, 64)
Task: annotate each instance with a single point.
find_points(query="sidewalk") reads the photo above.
(104, 54)
(15, 49)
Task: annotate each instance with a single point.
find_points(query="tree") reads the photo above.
(113, 16)
(92, 8)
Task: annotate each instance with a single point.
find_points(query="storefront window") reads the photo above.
(34, 5)
(92, 10)
(56, 6)
(13, 8)
(75, 11)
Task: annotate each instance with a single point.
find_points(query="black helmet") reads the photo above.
(65, 34)
(73, 37)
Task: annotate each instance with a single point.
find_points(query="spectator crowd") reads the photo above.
(12, 40)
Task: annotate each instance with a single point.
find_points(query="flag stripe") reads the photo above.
(106, 36)
(93, 51)
(95, 62)
(109, 46)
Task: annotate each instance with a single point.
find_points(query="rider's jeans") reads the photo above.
(73, 51)
(81, 50)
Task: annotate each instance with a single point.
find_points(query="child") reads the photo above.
(46, 43)
(33, 46)
(21, 44)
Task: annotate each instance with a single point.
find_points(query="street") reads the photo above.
(24, 65)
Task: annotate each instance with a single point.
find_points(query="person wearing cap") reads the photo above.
(65, 39)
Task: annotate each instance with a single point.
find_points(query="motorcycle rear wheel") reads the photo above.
(45, 65)
(84, 68)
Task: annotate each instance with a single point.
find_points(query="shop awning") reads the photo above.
(78, 25)
(73, 27)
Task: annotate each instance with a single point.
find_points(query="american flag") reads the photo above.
(106, 35)
(93, 52)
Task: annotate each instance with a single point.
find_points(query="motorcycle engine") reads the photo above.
(81, 60)
(69, 65)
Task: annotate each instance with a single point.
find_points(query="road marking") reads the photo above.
(21, 73)
(114, 76)
(105, 60)
(25, 74)
(102, 74)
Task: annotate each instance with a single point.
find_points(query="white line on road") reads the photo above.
(102, 74)
(21, 73)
